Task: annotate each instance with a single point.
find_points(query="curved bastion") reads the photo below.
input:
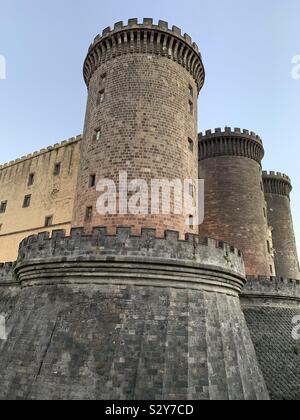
(128, 317)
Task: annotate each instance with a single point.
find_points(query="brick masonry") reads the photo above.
(277, 192)
(170, 326)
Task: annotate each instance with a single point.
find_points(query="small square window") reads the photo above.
(31, 180)
(27, 201)
(57, 169)
(3, 206)
(88, 214)
(92, 181)
(48, 221)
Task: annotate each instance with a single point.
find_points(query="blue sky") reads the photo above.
(247, 48)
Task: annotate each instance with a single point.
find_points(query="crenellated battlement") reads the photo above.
(273, 287)
(6, 273)
(277, 183)
(230, 142)
(41, 152)
(147, 38)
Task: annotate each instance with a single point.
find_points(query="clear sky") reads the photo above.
(247, 48)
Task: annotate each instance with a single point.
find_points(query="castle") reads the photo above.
(144, 306)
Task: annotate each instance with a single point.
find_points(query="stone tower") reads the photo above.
(277, 188)
(143, 83)
(235, 208)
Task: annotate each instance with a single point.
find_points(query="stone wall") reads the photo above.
(271, 307)
(51, 195)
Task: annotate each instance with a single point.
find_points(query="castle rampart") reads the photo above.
(235, 208)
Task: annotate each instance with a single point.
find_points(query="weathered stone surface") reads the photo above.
(270, 307)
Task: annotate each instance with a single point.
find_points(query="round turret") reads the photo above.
(235, 208)
(277, 188)
(143, 83)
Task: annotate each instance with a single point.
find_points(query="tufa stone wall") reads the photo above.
(143, 83)
(235, 208)
(50, 195)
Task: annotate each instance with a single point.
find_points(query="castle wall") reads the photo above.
(270, 307)
(235, 208)
(128, 317)
(142, 81)
(277, 192)
(50, 195)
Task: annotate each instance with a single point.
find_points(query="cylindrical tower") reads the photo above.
(235, 208)
(143, 83)
(277, 188)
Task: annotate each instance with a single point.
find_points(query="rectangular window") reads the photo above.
(265, 212)
(30, 180)
(269, 247)
(98, 134)
(27, 201)
(3, 206)
(88, 214)
(92, 181)
(191, 221)
(57, 169)
(191, 107)
(191, 90)
(48, 221)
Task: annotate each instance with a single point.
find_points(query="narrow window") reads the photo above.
(3, 207)
(265, 212)
(101, 97)
(88, 214)
(98, 134)
(48, 221)
(27, 201)
(191, 107)
(57, 169)
(92, 181)
(191, 190)
(191, 221)
(191, 145)
(191, 90)
(269, 247)
(30, 180)
(271, 269)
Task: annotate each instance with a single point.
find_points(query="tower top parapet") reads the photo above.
(148, 38)
(277, 183)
